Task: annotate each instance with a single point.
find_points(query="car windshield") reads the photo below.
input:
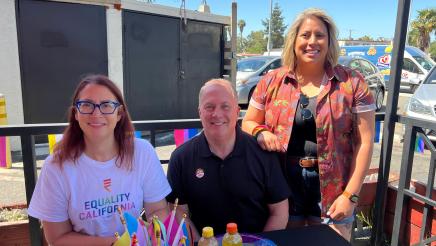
(251, 64)
(425, 63)
(431, 79)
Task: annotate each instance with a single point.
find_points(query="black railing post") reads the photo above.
(30, 175)
(427, 215)
(404, 183)
(390, 120)
(153, 137)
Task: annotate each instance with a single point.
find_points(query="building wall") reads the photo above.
(115, 46)
(10, 80)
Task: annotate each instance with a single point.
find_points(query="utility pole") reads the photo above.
(268, 46)
(350, 30)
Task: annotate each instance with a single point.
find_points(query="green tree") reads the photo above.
(277, 27)
(432, 50)
(422, 27)
(256, 43)
(241, 25)
(366, 38)
(241, 44)
(412, 37)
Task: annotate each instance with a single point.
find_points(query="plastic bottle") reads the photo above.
(207, 238)
(232, 237)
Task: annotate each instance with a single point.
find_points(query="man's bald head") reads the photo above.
(218, 82)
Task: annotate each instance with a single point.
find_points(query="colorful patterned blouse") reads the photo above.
(343, 94)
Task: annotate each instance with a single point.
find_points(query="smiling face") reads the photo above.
(311, 44)
(97, 126)
(218, 111)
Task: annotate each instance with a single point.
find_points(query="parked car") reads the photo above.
(249, 72)
(416, 64)
(422, 104)
(372, 76)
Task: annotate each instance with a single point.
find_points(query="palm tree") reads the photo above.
(241, 24)
(424, 25)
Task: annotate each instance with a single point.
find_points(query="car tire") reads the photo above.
(413, 88)
(379, 98)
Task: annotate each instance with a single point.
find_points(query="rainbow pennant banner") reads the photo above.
(53, 139)
(419, 145)
(183, 135)
(5, 153)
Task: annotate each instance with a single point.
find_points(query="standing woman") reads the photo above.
(97, 167)
(320, 117)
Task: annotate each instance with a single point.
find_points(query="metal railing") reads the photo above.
(413, 128)
(27, 135)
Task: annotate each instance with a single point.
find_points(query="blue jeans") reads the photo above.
(305, 200)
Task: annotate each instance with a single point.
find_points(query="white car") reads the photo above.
(422, 104)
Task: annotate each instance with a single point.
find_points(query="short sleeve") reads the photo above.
(277, 187)
(363, 100)
(49, 200)
(175, 179)
(258, 98)
(155, 183)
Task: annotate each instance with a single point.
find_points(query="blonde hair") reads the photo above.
(221, 82)
(288, 56)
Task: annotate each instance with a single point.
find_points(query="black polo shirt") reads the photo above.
(236, 189)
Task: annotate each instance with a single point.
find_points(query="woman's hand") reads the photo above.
(341, 208)
(268, 141)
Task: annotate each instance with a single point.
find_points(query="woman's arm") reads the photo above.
(159, 208)
(61, 233)
(253, 117)
(362, 155)
(266, 139)
(278, 216)
(363, 151)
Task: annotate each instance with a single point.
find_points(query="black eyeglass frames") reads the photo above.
(106, 107)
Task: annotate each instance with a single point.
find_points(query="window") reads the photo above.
(368, 69)
(410, 66)
(274, 65)
(354, 64)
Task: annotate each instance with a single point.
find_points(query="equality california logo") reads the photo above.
(107, 184)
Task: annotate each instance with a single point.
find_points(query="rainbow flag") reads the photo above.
(183, 135)
(174, 229)
(378, 130)
(155, 234)
(53, 139)
(419, 145)
(5, 153)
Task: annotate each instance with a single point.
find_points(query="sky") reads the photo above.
(375, 18)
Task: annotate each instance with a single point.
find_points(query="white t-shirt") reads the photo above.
(88, 192)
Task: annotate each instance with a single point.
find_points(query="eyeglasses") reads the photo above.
(306, 114)
(87, 107)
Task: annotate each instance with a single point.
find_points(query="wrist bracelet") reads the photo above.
(259, 132)
(258, 129)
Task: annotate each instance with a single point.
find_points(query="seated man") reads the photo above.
(222, 175)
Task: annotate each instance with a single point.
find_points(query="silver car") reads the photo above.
(422, 104)
(373, 77)
(249, 72)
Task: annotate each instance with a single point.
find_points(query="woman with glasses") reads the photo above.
(96, 168)
(319, 117)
